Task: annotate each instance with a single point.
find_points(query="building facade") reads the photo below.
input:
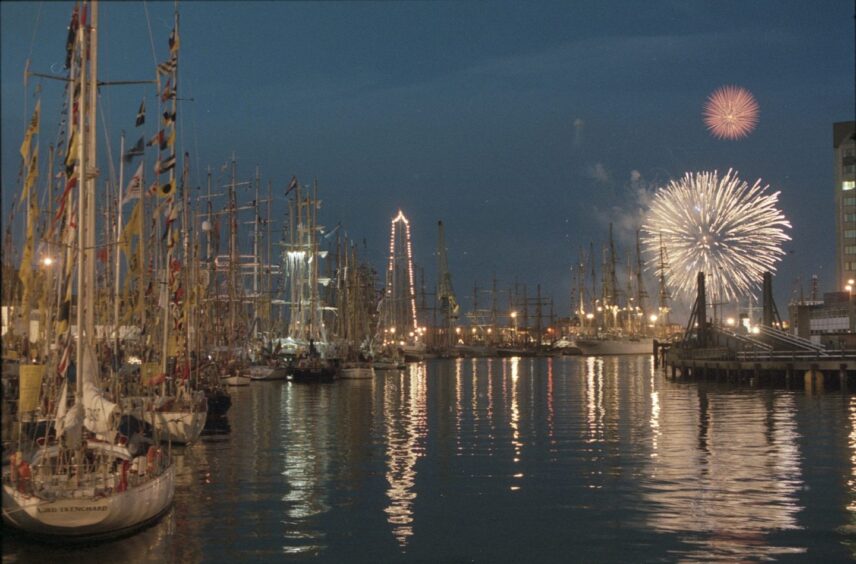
(844, 147)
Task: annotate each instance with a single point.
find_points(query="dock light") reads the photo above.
(599, 308)
(653, 318)
(392, 330)
(756, 330)
(47, 261)
(730, 322)
(489, 330)
(513, 314)
(411, 333)
(458, 330)
(851, 282)
(474, 331)
(589, 316)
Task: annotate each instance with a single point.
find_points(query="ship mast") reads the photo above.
(664, 291)
(445, 293)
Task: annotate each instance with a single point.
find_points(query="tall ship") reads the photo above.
(611, 328)
(316, 359)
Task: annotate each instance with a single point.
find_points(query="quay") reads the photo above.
(766, 354)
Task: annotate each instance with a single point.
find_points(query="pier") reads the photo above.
(766, 354)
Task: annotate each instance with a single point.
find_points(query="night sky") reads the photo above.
(526, 127)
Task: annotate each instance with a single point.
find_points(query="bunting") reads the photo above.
(157, 139)
(165, 165)
(141, 113)
(72, 33)
(168, 91)
(173, 40)
(292, 184)
(136, 151)
(135, 186)
(71, 156)
(32, 174)
(169, 66)
(32, 129)
(166, 189)
(134, 228)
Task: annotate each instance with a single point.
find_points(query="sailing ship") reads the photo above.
(316, 360)
(82, 479)
(615, 329)
(356, 302)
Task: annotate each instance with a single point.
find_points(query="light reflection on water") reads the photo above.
(598, 459)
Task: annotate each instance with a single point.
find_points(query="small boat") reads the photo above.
(266, 372)
(235, 380)
(313, 369)
(356, 370)
(386, 364)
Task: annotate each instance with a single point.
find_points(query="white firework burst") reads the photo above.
(723, 227)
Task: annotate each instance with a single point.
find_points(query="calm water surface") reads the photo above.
(554, 459)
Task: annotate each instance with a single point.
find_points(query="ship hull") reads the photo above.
(600, 347)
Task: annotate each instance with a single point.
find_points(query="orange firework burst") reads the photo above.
(731, 112)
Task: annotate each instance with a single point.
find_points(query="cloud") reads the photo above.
(598, 172)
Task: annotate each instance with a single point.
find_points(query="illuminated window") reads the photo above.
(848, 185)
(850, 249)
(850, 201)
(850, 233)
(849, 217)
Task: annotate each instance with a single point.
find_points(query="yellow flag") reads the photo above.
(32, 129)
(132, 229)
(30, 386)
(71, 156)
(32, 174)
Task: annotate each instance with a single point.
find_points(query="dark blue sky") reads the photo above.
(466, 112)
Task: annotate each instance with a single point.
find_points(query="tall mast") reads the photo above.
(83, 284)
(641, 293)
(256, 257)
(664, 291)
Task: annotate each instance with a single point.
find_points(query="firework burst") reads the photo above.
(723, 227)
(731, 112)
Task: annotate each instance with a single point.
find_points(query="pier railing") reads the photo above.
(761, 356)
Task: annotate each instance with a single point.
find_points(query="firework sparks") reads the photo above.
(731, 112)
(723, 227)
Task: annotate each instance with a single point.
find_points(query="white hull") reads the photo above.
(91, 511)
(182, 427)
(598, 347)
(236, 380)
(262, 372)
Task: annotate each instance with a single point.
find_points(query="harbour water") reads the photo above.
(509, 460)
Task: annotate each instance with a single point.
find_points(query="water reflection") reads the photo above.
(514, 423)
(726, 474)
(503, 456)
(594, 399)
(305, 449)
(405, 415)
